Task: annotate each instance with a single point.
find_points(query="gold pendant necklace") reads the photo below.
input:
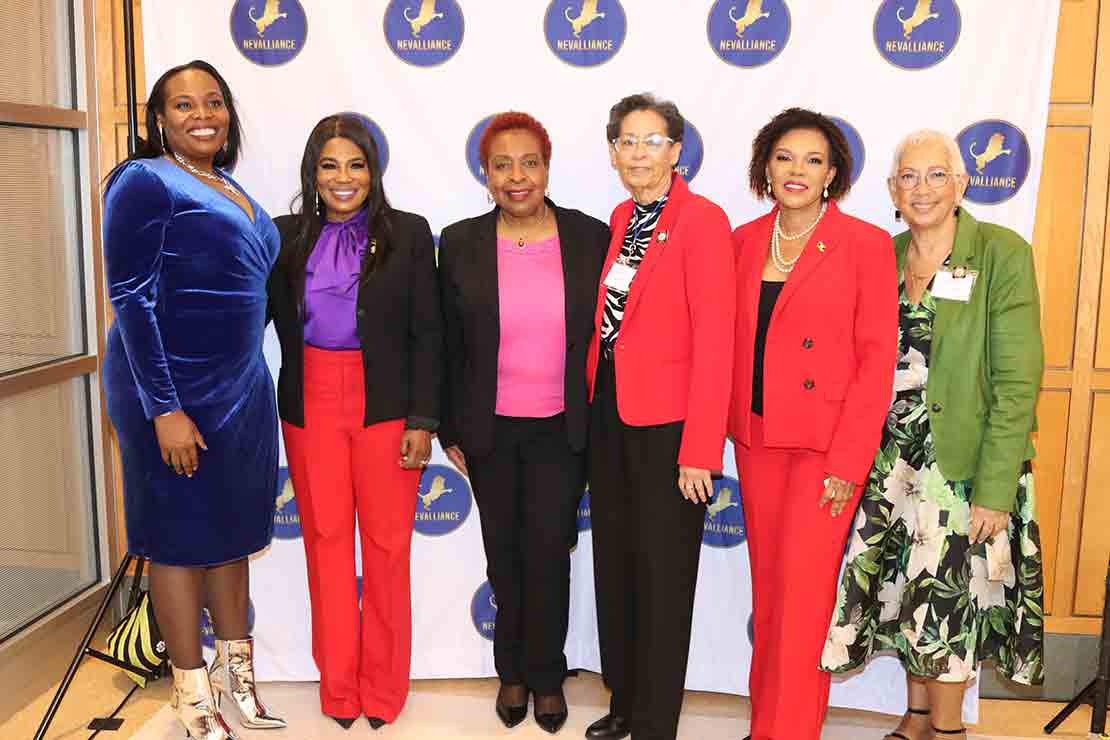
(521, 242)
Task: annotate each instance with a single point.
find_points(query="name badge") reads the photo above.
(620, 277)
(954, 284)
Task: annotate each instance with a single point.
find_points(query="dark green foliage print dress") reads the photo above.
(913, 583)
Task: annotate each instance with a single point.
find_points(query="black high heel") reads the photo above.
(551, 721)
(344, 722)
(909, 710)
(960, 731)
(376, 722)
(511, 716)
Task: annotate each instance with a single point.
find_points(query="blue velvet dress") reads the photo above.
(187, 271)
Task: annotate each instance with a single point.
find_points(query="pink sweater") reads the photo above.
(531, 358)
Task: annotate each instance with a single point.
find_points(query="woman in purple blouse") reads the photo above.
(355, 301)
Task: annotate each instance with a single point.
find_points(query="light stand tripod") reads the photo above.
(1098, 690)
(84, 649)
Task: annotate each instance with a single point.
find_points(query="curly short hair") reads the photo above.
(668, 111)
(792, 119)
(512, 121)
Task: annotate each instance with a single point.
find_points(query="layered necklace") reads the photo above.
(521, 241)
(214, 176)
(782, 264)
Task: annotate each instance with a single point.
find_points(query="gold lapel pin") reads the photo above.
(821, 247)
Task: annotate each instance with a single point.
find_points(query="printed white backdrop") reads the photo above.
(427, 73)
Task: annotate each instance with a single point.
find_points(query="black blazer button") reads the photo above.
(360, 312)
(807, 343)
(570, 346)
(809, 384)
(937, 408)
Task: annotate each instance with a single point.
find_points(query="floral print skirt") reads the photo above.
(913, 583)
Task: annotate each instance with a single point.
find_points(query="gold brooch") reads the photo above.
(661, 236)
(821, 247)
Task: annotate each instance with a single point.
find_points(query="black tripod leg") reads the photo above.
(1080, 699)
(117, 579)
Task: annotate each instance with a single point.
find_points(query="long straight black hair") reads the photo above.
(154, 145)
(308, 206)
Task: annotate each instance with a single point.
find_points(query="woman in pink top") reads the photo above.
(518, 287)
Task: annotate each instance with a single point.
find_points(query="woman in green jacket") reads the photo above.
(944, 565)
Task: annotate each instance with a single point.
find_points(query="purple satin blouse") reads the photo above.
(331, 285)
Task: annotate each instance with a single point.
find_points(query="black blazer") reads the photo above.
(398, 320)
(472, 323)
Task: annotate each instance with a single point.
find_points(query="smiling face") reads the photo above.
(195, 118)
(936, 191)
(342, 178)
(644, 171)
(800, 168)
(516, 172)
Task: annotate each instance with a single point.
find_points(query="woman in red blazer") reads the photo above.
(658, 373)
(816, 345)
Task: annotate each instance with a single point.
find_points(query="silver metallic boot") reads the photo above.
(196, 709)
(233, 675)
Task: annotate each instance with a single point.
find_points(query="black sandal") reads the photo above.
(909, 710)
(960, 731)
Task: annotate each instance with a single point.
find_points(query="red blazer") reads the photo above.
(673, 357)
(832, 345)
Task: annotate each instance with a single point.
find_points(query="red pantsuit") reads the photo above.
(795, 549)
(828, 374)
(340, 468)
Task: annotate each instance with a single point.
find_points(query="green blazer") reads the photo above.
(985, 363)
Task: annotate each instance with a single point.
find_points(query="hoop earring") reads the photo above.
(897, 215)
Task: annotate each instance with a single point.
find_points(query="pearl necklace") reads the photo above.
(520, 242)
(782, 264)
(206, 175)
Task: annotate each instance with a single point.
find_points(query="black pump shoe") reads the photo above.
(610, 727)
(344, 722)
(551, 721)
(511, 716)
(376, 722)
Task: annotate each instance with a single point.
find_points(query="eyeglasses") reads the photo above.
(935, 178)
(628, 143)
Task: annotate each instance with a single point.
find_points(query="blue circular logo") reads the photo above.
(855, 143)
(208, 632)
(443, 501)
(377, 135)
(424, 32)
(585, 33)
(268, 32)
(583, 517)
(748, 33)
(693, 152)
(287, 519)
(916, 34)
(724, 517)
(483, 610)
(473, 155)
(996, 154)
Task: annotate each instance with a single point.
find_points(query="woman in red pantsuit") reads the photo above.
(816, 343)
(355, 302)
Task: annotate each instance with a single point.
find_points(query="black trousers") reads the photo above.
(527, 488)
(647, 542)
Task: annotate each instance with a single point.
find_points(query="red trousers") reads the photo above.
(339, 469)
(796, 549)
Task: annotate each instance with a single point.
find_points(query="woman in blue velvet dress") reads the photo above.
(188, 254)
